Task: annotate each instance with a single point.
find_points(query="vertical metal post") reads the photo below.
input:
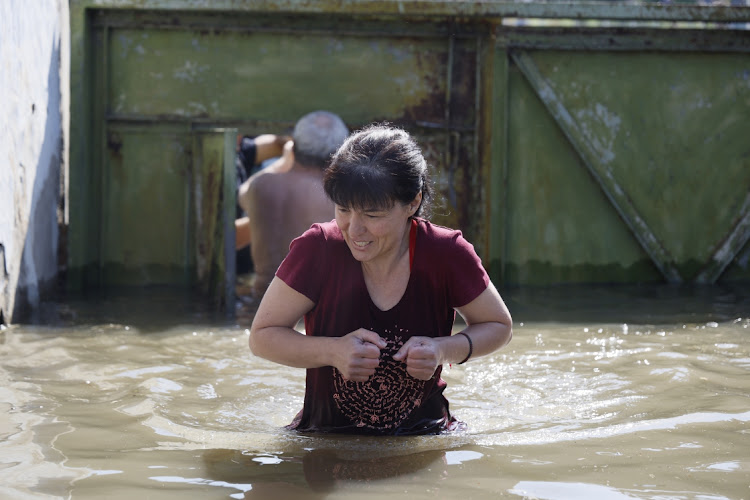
(229, 203)
(101, 102)
(495, 132)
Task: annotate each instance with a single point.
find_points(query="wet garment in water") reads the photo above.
(446, 273)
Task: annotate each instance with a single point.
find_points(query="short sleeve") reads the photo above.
(304, 267)
(466, 277)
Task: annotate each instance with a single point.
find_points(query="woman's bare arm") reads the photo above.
(489, 327)
(273, 337)
(489, 324)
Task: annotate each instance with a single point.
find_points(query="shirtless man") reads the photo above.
(283, 200)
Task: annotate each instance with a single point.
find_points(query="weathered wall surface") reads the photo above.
(34, 69)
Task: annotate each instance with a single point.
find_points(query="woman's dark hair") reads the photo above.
(376, 167)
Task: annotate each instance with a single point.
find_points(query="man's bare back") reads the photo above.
(284, 205)
(285, 199)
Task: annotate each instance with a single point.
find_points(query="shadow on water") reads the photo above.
(315, 473)
(148, 309)
(643, 304)
(155, 308)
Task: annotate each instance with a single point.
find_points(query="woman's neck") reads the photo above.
(381, 268)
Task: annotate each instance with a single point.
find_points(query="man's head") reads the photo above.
(317, 136)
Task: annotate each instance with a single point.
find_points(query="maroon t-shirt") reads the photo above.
(446, 273)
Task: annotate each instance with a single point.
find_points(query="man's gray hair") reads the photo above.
(317, 136)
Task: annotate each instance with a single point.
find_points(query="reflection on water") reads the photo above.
(634, 392)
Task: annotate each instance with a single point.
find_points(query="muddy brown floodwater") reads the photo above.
(605, 393)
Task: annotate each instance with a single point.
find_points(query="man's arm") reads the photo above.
(241, 233)
(269, 146)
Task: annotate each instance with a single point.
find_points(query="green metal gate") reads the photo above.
(625, 164)
(612, 150)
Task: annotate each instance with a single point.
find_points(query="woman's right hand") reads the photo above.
(358, 354)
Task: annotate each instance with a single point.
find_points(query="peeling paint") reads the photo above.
(601, 126)
(189, 72)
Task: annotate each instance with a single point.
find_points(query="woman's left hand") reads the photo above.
(421, 355)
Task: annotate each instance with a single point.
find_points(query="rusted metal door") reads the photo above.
(160, 196)
(145, 200)
(157, 78)
(167, 208)
(570, 151)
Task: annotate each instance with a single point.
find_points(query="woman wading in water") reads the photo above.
(378, 289)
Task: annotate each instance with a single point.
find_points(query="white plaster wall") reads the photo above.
(34, 81)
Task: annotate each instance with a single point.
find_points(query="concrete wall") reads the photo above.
(34, 85)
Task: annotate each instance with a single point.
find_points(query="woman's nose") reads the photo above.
(355, 224)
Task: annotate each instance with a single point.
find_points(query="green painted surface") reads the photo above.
(561, 227)
(739, 270)
(82, 249)
(145, 209)
(493, 143)
(660, 125)
(272, 77)
(663, 127)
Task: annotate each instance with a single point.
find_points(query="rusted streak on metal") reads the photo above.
(588, 153)
(729, 248)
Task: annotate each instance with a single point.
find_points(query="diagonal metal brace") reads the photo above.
(729, 248)
(603, 177)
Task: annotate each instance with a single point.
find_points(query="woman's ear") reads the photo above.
(415, 203)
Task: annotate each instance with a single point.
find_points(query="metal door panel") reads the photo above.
(269, 76)
(562, 228)
(145, 224)
(647, 126)
(629, 164)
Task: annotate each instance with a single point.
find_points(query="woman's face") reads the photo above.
(373, 234)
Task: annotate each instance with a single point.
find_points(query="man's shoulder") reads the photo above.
(269, 177)
(265, 184)
(261, 177)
